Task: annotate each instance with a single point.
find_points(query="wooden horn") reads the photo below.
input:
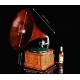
(24, 30)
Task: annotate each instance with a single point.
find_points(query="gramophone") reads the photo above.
(30, 42)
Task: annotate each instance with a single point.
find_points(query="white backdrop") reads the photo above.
(39, 77)
(39, 2)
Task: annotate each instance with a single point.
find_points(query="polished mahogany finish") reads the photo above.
(24, 30)
(21, 29)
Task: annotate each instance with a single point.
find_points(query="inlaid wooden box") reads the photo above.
(39, 61)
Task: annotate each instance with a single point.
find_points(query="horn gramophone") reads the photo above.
(31, 43)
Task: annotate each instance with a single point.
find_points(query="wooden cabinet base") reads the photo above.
(39, 61)
(50, 70)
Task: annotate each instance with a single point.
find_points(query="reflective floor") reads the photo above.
(55, 69)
